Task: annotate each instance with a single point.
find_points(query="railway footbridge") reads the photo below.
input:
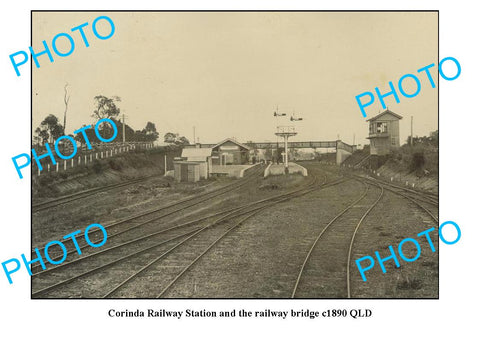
(343, 150)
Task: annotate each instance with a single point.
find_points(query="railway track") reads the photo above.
(418, 198)
(326, 270)
(413, 215)
(180, 243)
(83, 194)
(125, 225)
(415, 194)
(319, 274)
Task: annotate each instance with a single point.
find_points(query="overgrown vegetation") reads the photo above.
(45, 185)
(420, 159)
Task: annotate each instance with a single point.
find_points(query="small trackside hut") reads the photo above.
(195, 164)
(186, 171)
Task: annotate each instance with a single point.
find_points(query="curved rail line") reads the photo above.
(246, 215)
(49, 288)
(353, 238)
(422, 196)
(304, 264)
(428, 195)
(383, 187)
(177, 205)
(386, 186)
(252, 208)
(179, 226)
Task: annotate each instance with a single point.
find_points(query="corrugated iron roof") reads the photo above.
(385, 112)
(233, 141)
(196, 154)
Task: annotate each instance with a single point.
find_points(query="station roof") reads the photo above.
(384, 113)
(243, 146)
(196, 154)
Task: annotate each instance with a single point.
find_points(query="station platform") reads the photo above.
(279, 169)
(231, 170)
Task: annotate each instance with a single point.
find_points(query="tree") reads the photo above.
(41, 136)
(105, 107)
(150, 132)
(129, 132)
(170, 137)
(140, 136)
(182, 141)
(92, 137)
(49, 130)
(434, 137)
(175, 139)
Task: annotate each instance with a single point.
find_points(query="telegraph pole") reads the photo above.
(194, 139)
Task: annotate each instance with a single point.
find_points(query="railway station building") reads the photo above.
(230, 152)
(384, 133)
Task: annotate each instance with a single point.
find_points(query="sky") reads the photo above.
(225, 73)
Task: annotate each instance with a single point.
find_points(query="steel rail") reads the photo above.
(202, 198)
(297, 282)
(424, 195)
(237, 224)
(231, 211)
(407, 197)
(353, 237)
(235, 212)
(141, 238)
(250, 213)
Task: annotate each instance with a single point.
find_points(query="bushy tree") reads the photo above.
(49, 130)
(105, 107)
(182, 141)
(175, 139)
(170, 137)
(150, 132)
(92, 137)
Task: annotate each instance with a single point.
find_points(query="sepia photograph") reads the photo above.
(234, 154)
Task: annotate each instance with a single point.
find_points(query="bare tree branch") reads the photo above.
(66, 100)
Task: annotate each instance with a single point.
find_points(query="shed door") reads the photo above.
(184, 172)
